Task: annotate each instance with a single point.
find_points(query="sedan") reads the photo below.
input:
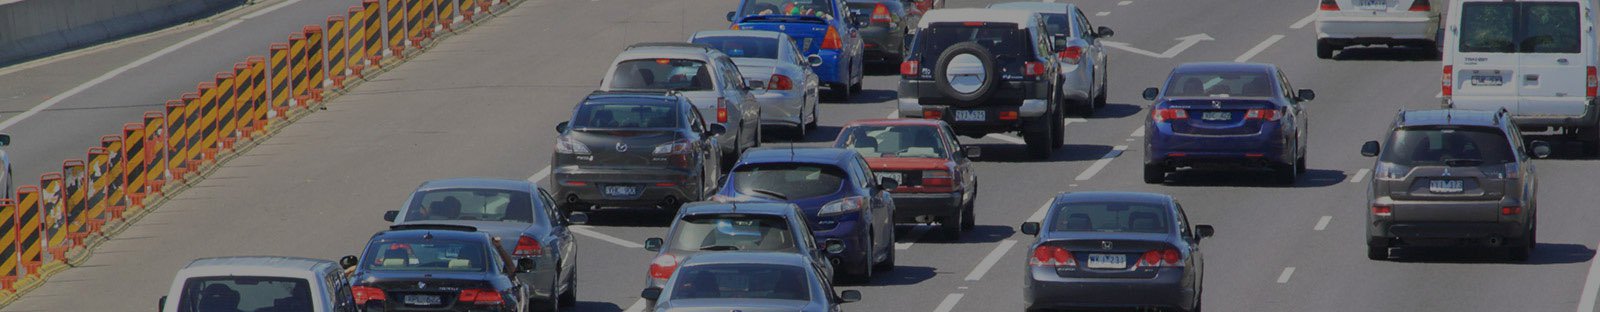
(1100, 250)
(437, 267)
(728, 227)
(635, 149)
(773, 66)
(748, 282)
(887, 31)
(1226, 115)
(937, 181)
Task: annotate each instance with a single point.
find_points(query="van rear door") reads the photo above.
(1552, 56)
(1485, 62)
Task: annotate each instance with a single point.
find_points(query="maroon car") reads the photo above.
(937, 183)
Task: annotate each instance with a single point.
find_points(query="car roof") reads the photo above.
(813, 155)
(895, 122)
(778, 258)
(776, 208)
(276, 266)
(1021, 18)
(1034, 6)
(631, 96)
(1102, 196)
(678, 50)
(1441, 117)
(738, 33)
(1201, 67)
(477, 183)
(442, 232)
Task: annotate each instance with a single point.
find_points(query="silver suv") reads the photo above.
(1453, 177)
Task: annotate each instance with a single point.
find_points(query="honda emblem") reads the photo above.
(1105, 245)
(622, 147)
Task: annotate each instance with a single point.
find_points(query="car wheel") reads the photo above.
(1059, 134)
(1154, 174)
(1300, 164)
(855, 88)
(1100, 97)
(1522, 251)
(799, 133)
(971, 59)
(1287, 174)
(866, 264)
(552, 305)
(1038, 143)
(1377, 252)
(969, 218)
(950, 226)
(1594, 141)
(1324, 50)
(569, 298)
(888, 262)
(812, 125)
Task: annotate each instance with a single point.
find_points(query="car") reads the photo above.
(1453, 177)
(1101, 250)
(5, 159)
(773, 65)
(706, 227)
(887, 30)
(622, 149)
(521, 214)
(838, 192)
(259, 283)
(921, 6)
(1082, 57)
(708, 78)
(937, 180)
(823, 28)
(1344, 23)
(1541, 67)
(985, 71)
(1227, 115)
(748, 281)
(437, 267)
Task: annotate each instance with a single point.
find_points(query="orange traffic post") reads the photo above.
(372, 22)
(238, 126)
(54, 223)
(177, 135)
(10, 260)
(227, 100)
(356, 38)
(280, 86)
(338, 50)
(157, 152)
(30, 240)
(299, 69)
(203, 135)
(447, 14)
(97, 197)
(133, 167)
(468, 8)
(113, 182)
(316, 67)
(256, 116)
(74, 173)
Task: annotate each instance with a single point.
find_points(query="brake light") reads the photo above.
(1420, 6)
(1447, 82)
(1263, 114)
(1166, 114)
(1510, 210)
(367, 293)
(1593, 82)
(481, 296)
(662, 267)
(909, 68)
(1052, 256)
(1071, 54)
(677, 152)
(722, 110)
(932, 114)
(734, 27)
(1166, 257)
(1008, 115)
(779, 82)
(937, 178)
(567, 145)
(842, 206)
(972, 24)
(1032, 69)
(880, 14)
(1382, 211)
(527, 247)
(831, 41)
(1328, 5)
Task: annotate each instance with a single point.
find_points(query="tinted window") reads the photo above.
(788, 181)
(1505, 27)
(893, 141)
(818, 8)
(1057, 24)
(1549, 28)
(427, 255)
(732, 232)
(751, 47)
(1112, 217)
(662, 74)
(742, 281)
(1220, 84)
(1432, 146)
(1002, 39)
(626, 115)
(245, 293)
(471, 204)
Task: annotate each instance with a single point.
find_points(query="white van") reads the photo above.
(260, 284)
(1535, 58)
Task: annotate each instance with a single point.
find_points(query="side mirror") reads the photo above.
(1203, 231)
(391, 215)
(888, 184)
(814, 60)
(730, 16)
(652, 293)
(833, 246)
(525, 265)
(1151, 93)
(654, 243)
(348, 261)
(562, 127)
(1541, 149)
(1306, 94)
(972, 151)
(849, 296)
(1103, 32)
(1369, 149)
(718, 129)
(5, 139)
(1030, 228)
(578, 218)
(161, 305)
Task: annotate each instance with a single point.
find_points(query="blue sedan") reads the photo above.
(826, 31)
(1226, 115)
(842, 201)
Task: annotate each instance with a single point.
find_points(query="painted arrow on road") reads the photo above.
(1183, 44)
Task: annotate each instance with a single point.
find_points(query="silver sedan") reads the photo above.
(771, 64)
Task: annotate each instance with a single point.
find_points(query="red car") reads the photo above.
(937, 183)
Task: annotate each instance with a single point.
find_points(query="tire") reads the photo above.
(1594, 141)
(856, 88)
(1287, 174)
(1324, 50)
(1058, 132)
(1154, 174)
(552, 305)
(1521, 252)
(969, 217)
(839, 92)
(866, 265)
(1377, 252)
(1300, 164)
(1100, 98)
(1038, 143)
(888, 262)
(812, 125)
(950, 227)
(967, 51)
(569, 298)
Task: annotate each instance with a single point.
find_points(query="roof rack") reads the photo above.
(669, 44)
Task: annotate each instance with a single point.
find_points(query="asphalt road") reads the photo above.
(485, 104)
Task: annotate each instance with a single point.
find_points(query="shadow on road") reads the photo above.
(1117, 110)
(630, 217)
(901, 276)
(1018, 153)
(1252, 178)
(868, 96)
(1387, 54)
(592, 306)
(1546, 253)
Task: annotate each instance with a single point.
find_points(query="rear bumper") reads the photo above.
(1181, 150)
(908, 206)
(562, 180)
(782, 107)
(1587, 113)
(1377, 29)
(1453, 222)
(852, 231)
(1044, 289)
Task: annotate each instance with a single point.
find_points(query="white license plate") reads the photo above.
(1446, 186)
(622, 190)
(1372, 4)
(898, 177)
(422, 300)
(1216, 116)
(1487, 81)
(1107, 261)
(971, 115)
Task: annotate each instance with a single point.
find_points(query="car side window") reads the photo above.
(1085, 30)
(342, 299)
(696, 123)
(730, 72)
(1183, 221)
(1283, 86)
(950, 135)
(550, 209)
(865, 172)
(1517, 146)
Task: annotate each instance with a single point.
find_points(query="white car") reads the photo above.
(780, 76)
(260, 283)
(1344, 23)
(704, 75)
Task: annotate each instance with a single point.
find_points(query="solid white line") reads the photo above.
(949, 303)
(1101, 164)
(912, 237)
(1102, 13)
(1007, 138)
(1359, 176)
(536, 177)
(1303, 21)
(1123, 3)
(989, 261)
(1322, 223)
(1259, 47)
(1283, 278)
(638, 306)
(1587, 299)
(585, 231)
(1137, 132)
(113, 73)
(1038, 215)
(1072, 120)
(269, 9)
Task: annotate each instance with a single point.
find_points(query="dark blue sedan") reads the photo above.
(1105, 250)
(826, 31)
(1226, 115)
(836, 190)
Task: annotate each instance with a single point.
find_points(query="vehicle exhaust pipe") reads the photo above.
(572, 198)
(669, 202)
(1495, 241)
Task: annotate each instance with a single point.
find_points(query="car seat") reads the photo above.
(1193, 87)
(218, 297)
(1079, 222)
(1143, 222)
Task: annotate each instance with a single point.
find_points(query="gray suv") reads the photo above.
(1453, 177)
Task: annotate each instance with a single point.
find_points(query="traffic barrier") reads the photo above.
(193, 114)
(51, 200)
(419, 21)
(202, 135)
(30, 234)
(238, 126)
(73, 174)
(227, 101)
(9, 259)
(112, 183)
(484, 6)
(468, 8)
(157, 154)
(257, 115)
(177, 135)
(447, 14)
(338, 50)
(395, 19)
(356, 47)
(372, 21)
(315, 65)
(299, 69)
(96, 197)
(133, 167)
(280, 84)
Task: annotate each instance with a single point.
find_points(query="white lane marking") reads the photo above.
(113, 73)
(912, 237)
(1184, 43)
(1101, 164)
(1123, 3)
(1439, 95)
(1359, 176)
(1006, 138)
(585, 231)
(1050, 1)
(989, 260)
(1102, 13)
(1072, 120)
(1259, 47)
(269, 9)
(1322, 223)
(1303, 21)
(538, 176)
(1137, 132)
(949, 303)
(638, 306)
(1039, 214)
(893, 114)
(1590, 285)
(1283, 278)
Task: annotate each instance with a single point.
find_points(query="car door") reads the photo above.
(964, 171)
(1297, 112)
(559, 234)
(1196, 257)
(1552, 54)
(734, 90)
(881, 204)
(1484, 63)
(1095, 51)
(705, 146)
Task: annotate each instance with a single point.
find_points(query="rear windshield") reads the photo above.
(733, 232)
(788, 181)
(1220, 84)
(742, 281)
(1002, 39)
(1527, 27)
(1435, 146)
(427, 255)
(471, 204)
(893, 141)
(662, 74)
(818, 8)
(245, 293)
(751, 47)
(626, 115)
(1112, 217)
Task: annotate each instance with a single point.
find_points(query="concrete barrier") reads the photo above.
(34, 28)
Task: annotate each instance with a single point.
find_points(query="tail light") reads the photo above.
(831, 41)
(662, 267)
(1166, 257)
(843, 206)
(722, 110)
(567, 145)
(734, 27)
(937, 178)
(880, 14)
(677, 152)
(909, 68)
(1167, 114)
(1267, 114)
(1420, 6)
(1382, 211)
(1328, 5)
(367, 293)
(1071, 55)
(1447, 82)
(527, 247)
(1052, 256)
(1593, 82)
(779, 82)
(1033, 69)
(1510, 210)
(932, 114)
(481, 296)
(1008, 115)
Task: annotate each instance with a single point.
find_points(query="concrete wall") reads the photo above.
(34, 28)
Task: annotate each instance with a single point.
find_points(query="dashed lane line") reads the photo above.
(1304, 21)
(893, 115)
(1007, 138)
(1102, 13)
(539, 176)
(949, 303)
(913, 236)
(1137, 133)
(586, 231)
(1101, 164)
(1590, 285)
(1360, 175)
(638, 306)
(1258, 48)
(1038, 216)
(1322, 223)
(1124, 3)
(989, 260)
(1072, 120)
(1283, 278)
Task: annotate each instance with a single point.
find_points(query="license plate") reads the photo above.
(422, 300)
(1216, 116)
(1107, 261)
(1372, 4)
(1488, 81)
(892, 175)
(622, 190)
(971, 115)
(1445, 186)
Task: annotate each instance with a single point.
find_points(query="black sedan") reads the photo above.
(436, 267)
(889, 24)
(1099, 250)
(635, 149)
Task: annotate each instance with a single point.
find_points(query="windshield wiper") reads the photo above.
(719, 248)
(774, 194)
(1463, 162)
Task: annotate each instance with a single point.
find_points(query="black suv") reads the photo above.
(1453, 177)
(985, 71)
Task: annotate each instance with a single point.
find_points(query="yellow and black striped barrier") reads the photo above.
(51, 202)
(98, 195)
(447, 14)
(316, 68)
(395, 20)
(177, 135)
(468, 9)
(356, 46)
(280, 84)
(372, 21)
(419, 21)
(299, 70)
(30, 236)
(113, 182)
(227, 100)
(73, 174)
(202, 135)
(257, 115)
(245, 86)
(157, 153)
(193, 114)
(338, 50)
(135, 162)
(10, 262)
